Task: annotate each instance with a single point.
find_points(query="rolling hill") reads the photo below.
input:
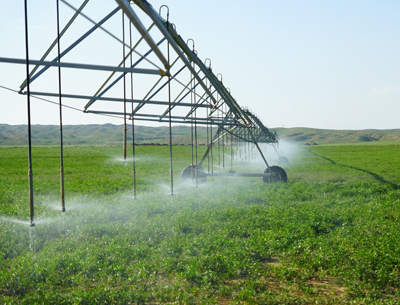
(109, 134)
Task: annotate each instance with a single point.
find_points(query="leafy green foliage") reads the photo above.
(329, 235)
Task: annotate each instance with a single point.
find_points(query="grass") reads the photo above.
(331, 235)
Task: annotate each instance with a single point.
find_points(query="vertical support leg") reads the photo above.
(258, 148)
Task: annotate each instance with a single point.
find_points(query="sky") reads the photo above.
(295, 63)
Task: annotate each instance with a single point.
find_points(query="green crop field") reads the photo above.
(330, 235)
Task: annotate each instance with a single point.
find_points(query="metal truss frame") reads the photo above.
(200, 99)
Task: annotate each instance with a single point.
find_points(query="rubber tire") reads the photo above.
(280, 174)
(187, 174)
(283, 160)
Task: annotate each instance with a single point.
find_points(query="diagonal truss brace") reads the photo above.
(142, 30)
(166, 32)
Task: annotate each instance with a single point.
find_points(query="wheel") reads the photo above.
(189, 174)
(283, 160)
(279, 174)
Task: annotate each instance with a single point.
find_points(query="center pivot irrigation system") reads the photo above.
(151, 74)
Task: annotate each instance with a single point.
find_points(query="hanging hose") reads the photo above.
(169, 116)
(30, 172)
(207, 115)
(191, 116)
(223, 143)
(133, 118)
(207, 143)
(60, 111)
(123, 58)
(231, 155)
(195, 132)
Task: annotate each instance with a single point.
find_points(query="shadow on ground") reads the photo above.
(374, 175)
